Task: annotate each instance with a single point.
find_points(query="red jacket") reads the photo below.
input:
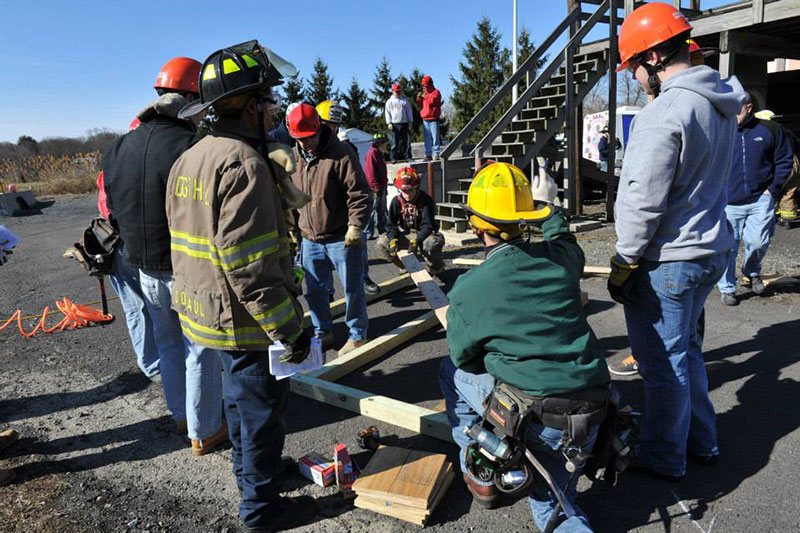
(375, 169)
(430, 103)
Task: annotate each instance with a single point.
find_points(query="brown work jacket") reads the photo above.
(232, 285)
(340, 195)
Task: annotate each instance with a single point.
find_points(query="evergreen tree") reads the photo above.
(526, 47)
(482, 73)
(357, 109)
(412, 87)
(320, 85)
(293, 92)
(380, 92)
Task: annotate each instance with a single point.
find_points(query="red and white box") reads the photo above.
(317, 468)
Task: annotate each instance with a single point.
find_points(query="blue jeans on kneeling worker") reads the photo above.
(125, 280)
(665, 338)
(319, 261)
(464, 393)
(255, 407)
(191, 381)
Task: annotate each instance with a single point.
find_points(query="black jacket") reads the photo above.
(424, 223)
(136, 167)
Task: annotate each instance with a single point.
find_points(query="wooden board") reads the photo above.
(338, 307)
(374, 349)
(779, 279)
(404, 476)
(467, 261)
(404, 512)
(427, 286)
(389, 410)
(587, 270)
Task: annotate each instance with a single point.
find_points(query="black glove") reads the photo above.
(297, 349)
(621, 281)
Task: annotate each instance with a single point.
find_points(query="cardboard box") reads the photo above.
(317, 468)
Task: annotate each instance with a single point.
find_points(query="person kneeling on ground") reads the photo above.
(412, 222)
(516, 322)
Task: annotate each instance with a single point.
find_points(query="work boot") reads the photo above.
(204, 446)
(484, 495)
(351, 345)
(7, 438)
(703, 460)
(757, 285)
(7, 475)
(626, 367)
(327, 340)
(729, 298)
(370, 287)
(291, 513)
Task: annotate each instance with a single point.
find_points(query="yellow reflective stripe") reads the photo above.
(277, 316)
(198, 254)
(261, 238)
(249, 61)
(229, 66)
(210, 73)
(232, 257)
(223, 337)
(188, 237)
(219, 343)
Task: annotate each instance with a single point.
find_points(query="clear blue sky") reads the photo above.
(71, 66)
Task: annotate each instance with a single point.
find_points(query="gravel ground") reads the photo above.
(98, 453)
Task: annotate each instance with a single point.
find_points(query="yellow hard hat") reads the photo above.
(330, 111)
(500, 194)
(765, 114)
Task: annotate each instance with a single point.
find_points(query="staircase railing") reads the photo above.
(527, 67)
(564, 56)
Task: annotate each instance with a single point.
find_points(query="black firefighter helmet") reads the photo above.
(238, 69)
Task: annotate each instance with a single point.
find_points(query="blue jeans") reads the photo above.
(255, 406)
(156, 287)
(431, 135)
(665, 337)
(125, 281)
(755, 223)
(464, 394)
(319, 261)
(203, 390)
(379, 213)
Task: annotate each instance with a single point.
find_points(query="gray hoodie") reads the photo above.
(673, 190)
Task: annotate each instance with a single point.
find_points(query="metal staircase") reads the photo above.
(546, 107)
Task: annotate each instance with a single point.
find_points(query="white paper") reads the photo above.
(284, 370)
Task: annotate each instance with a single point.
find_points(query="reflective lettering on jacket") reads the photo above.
(191, 188)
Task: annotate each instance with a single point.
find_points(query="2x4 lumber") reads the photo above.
(381, 408)
(338, 307)
(429, 289)
(374, 349)
(587, 270)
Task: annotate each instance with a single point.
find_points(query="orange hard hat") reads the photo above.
(647, 27)
(179, 74)
(303, 121)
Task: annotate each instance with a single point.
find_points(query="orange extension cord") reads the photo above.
(76, 316)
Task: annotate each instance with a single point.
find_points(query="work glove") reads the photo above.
(390, 127)
(298, 274)
(393, 247)
(354, 238)
(621, 280)
(543, 188)
(283, 156)
(412, 246)
(297, 349)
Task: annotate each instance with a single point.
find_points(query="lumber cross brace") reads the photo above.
(319, 384)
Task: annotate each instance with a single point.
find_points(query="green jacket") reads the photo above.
(518, 316)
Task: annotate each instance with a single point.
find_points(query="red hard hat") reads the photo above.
(406, 178)
(396, 87)
(303, 121)
(179, 74)
(647, 27)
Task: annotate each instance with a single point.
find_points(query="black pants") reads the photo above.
(401, 145)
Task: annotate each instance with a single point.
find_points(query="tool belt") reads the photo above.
(576, 412)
